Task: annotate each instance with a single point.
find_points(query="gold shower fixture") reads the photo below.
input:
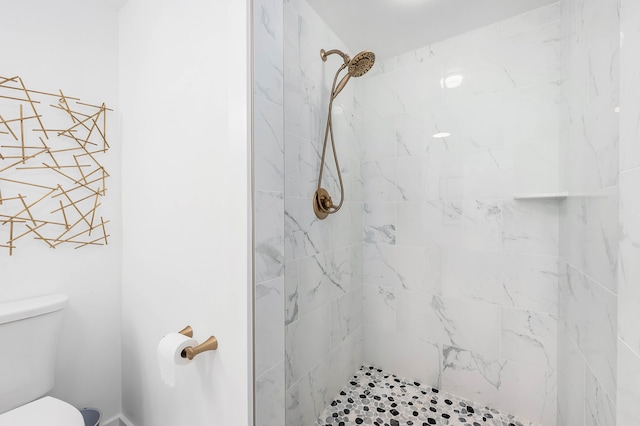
(356, 67)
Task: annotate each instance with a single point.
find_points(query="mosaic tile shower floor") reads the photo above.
(374, 397)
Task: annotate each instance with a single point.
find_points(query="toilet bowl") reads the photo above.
(44, 411)
(29, 331)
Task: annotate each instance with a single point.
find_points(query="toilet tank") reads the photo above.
(29, 331)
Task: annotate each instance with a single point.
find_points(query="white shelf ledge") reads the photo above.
(541, 196)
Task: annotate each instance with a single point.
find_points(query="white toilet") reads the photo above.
(29, 331)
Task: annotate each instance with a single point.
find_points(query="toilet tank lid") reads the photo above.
(20, 309)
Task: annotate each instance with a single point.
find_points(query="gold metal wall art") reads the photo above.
(52, 179)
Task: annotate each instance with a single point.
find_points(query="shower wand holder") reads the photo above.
(322, 203)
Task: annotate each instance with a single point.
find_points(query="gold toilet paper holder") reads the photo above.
(211, 344)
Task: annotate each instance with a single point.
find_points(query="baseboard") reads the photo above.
(117, 421)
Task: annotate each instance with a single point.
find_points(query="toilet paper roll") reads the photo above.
(170, 349)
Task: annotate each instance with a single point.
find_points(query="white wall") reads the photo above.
(184, 91)
(72, 45)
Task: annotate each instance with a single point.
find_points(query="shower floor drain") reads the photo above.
(374, 397)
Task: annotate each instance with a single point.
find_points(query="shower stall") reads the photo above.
(487, 202)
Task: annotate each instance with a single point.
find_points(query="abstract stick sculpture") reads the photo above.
(51, 175)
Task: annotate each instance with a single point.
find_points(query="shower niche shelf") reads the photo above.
(541, 196)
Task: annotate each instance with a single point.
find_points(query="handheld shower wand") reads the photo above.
(356, 67)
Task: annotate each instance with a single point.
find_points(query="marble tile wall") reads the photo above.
(628, 389)
(268, 206)
(588, 301)
(588, 292)
(322, 258)
(461, 280)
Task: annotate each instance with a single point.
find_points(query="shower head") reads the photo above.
(361, 63)
(356, 67)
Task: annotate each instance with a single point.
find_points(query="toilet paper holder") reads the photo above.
(211, 344)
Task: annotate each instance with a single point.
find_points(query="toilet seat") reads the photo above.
(44, 411)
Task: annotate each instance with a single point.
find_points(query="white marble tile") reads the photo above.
(409, 179)
(379, 306)
(628, 265)
(571, 380)
(268, 145)
(384, 98)
(627, 412)
(600, 410)
(292, 311)
(344, 228)
(380, 180)
(407, 267)
(411, 136)
(378, 137)
(354, 184)
(573, 216)
(306, 90)
(380, 265)
(344, 359)
(589, 312)
(443, 177)
(482, 223)
(601, 249)
(532, 113)
(420, 268)
(453, 321)
(529, 338)
(602, 31)
(629, 89)
(489, 173)
(540, 64)
(414, 88)
(600, 147)
(346, 316)
(415, 57)
(307, 341)
(302, 164)
(315, 390)
(442, 119)
(410, 224)
(270, 397)
(269, 325)
(537, 166)
(523, 391)
(323, 278)
(417, 359)
(379, 223)
(443, 223)
(301, 406)
(518, 281)
(476, 115)
(530, 227)
(269, 235)
(268, 47)
(305, 234)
